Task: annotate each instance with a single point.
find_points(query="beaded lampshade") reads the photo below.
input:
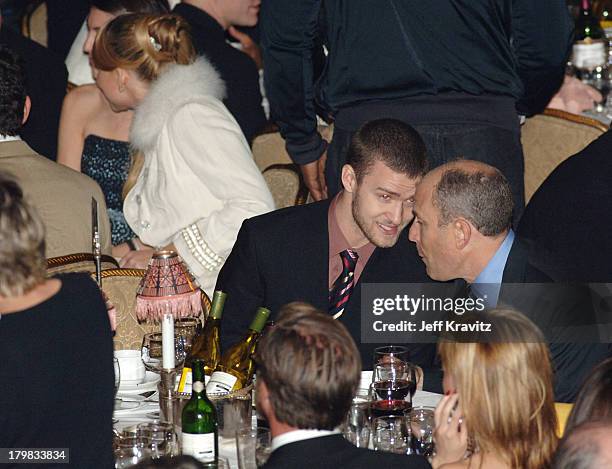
(167, 288)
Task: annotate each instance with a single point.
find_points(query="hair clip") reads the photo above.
(156, 45)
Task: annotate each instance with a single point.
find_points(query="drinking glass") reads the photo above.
(186, 329)
(422, 426)
(151, 351)
(117, 372)
(131, 450)
(162, 437)
(254, 447)
(391, 434)
(390, 354)
(356, 428)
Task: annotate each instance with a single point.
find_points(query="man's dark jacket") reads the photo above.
(238, 71)
(400, 50)
(46, 80)
(333, 452)
(282, 256)
(550, 308)
(570, 215)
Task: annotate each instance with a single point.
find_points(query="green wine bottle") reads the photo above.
(199, 422)
(236, 367)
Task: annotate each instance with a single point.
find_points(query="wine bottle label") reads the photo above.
(589, 55)
(185, 381)
(220, 382)
(201, 447)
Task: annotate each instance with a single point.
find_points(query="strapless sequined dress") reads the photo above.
(107, 162)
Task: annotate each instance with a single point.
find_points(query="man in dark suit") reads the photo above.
(308, 373)
(463, 213)
(46, 80)
(209, 20)
(323, 252)
(571, 214)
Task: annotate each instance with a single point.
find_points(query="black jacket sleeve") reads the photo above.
(542, 34)
(240, 279)
(289, 30)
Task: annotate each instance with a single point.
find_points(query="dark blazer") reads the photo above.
(237, 69)
(570, 214)
(282, 256)
(334, 452)
(570, 304)
(46, 80)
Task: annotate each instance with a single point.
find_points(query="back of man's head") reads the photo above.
(588, 446)
(475, 191)
(390, 141)
(12, 92)
(311, 368)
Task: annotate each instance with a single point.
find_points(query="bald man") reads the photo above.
(462, 230)
(588, 446)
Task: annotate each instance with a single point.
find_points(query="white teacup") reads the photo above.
(131, 367)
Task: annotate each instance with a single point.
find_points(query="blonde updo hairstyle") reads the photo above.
(22, 242)
(145, 44)
(505, 389)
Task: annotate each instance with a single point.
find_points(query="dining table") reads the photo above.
(134, 407)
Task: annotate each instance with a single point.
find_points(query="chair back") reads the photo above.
(550, 138)
(120, 285)
(34, 21)
(286, 185)
(78, 262)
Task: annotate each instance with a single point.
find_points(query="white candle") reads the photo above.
(168, 342)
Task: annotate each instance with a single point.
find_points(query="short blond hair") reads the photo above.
(505, 389)
(22, 241)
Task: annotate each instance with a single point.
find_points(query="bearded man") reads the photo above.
(323, 252)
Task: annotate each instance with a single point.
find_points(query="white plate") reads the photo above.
(125, 406)
(149, 384)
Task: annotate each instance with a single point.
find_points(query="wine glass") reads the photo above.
(392, 388)
(356, 428)
(422, 426)
(390, 354)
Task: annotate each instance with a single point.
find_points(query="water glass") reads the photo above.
(254, 447)
(162, 437)
(131, 450)
(422, 426)
(356, 428)
(391, 434)
(117, 372)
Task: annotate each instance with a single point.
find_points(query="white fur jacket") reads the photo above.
(199, 181)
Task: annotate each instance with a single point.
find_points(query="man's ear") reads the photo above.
(26, 110)
(263, 399)
(462, 232)
(349, 178)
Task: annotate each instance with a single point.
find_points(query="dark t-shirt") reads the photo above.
(56, 376)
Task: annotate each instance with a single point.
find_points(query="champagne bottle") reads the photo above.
(236, 366)
(589, 51)
(199, 422)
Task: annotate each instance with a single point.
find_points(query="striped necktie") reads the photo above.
(343, 286)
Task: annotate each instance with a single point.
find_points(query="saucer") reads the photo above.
(149, 384)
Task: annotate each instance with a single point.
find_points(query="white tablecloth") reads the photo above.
(227, 446)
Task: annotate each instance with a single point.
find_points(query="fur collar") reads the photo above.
(176, 86)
